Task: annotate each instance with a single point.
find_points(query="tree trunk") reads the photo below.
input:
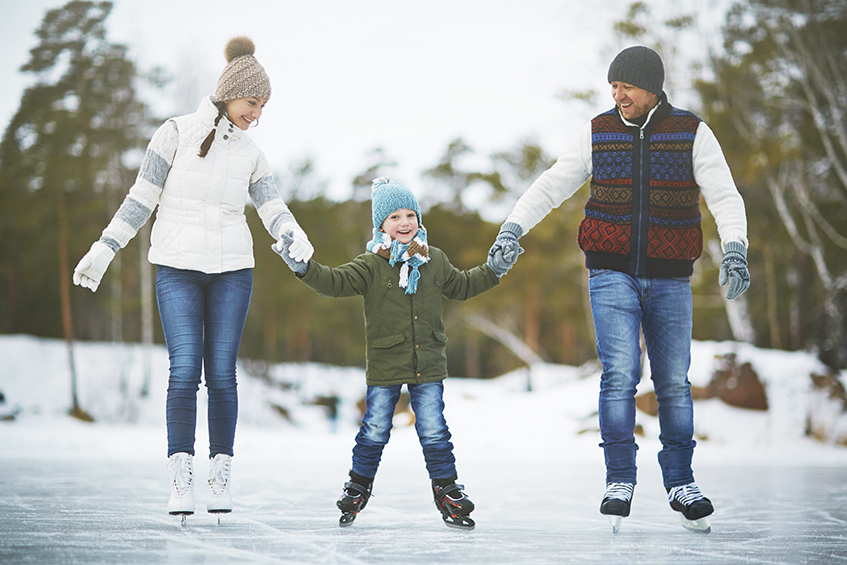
(65, 292)
(146, 271)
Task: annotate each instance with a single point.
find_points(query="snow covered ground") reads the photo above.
(75, 492)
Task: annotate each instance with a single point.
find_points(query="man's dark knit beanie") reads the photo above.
(639, 66)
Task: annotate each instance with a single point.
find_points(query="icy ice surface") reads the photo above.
(72, 492)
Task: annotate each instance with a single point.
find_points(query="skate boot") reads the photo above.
(616, 503)
(181, 502)
(454, 505)
(353, 498)
(694, 508)
(219, 500)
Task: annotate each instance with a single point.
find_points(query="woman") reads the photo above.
(199, 170)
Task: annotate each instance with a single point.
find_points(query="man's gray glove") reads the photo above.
(734, 270)
(283, 249)
(504, 253)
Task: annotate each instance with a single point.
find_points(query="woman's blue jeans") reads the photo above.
(203, 318)
(428, 405)
(662, 309)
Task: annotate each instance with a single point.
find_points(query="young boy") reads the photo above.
(402, 281)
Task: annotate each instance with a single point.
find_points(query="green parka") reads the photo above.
(404, 333)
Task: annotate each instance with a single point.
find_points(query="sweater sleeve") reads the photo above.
(714, 178)
(143, 196)
(556, 184)
(266, 197)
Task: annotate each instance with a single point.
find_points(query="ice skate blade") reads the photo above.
(458, 522)
(183, 517)
(615, 521)
(347, 519)
(703, 525)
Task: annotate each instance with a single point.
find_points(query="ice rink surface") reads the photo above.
(87, 494)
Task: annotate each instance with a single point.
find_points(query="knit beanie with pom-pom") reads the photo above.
(388, 196)
(243, 76)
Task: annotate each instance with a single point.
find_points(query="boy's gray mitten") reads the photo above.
(283, 249)
(734, 270)
(498, 264)
(508, 246)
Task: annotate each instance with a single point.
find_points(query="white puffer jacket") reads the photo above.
(200, 223)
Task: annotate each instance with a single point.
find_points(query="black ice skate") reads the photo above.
(616, 502)
(694, 508)
(454, 505)
(353, 500)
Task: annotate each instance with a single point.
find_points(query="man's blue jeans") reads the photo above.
(203, 318)
(428, 406)
(662, 308)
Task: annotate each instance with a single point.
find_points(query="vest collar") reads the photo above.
(226, 130)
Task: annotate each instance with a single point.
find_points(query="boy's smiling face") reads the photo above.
(401, 225)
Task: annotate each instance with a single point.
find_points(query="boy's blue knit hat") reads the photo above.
(388, 196)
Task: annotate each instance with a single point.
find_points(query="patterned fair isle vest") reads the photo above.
(643, 215)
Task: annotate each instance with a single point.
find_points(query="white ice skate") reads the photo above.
(219, 500)
(181, 502)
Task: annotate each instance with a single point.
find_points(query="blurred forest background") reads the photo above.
(775, 97)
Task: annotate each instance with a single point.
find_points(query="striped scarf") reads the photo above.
(412, 255)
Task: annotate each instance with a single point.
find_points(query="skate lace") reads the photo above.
(685, 494)
(620, 491)
(182, 475)
(219, 475)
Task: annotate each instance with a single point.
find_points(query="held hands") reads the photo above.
(505, 251)
(299, 247)
(284, 247)
(90, 269)
(734, 270)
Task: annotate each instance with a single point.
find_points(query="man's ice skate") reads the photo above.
(454, 506)
(353, 500)
(616, 503)
(181, 502)
(219, 499)
(693, 507)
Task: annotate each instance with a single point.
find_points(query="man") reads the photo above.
(648, 163)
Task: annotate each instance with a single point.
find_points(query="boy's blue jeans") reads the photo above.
(203, 318)
(662, 308)
(428, 406)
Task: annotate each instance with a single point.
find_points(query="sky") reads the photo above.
(350, 77)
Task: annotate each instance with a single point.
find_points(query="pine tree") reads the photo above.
(61, 161)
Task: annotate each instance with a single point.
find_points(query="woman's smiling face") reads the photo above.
(244, 111)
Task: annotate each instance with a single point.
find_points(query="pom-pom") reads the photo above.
(238, 47)
(379, 181)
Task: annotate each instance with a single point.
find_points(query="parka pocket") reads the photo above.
(389, 341)
(440, 336)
